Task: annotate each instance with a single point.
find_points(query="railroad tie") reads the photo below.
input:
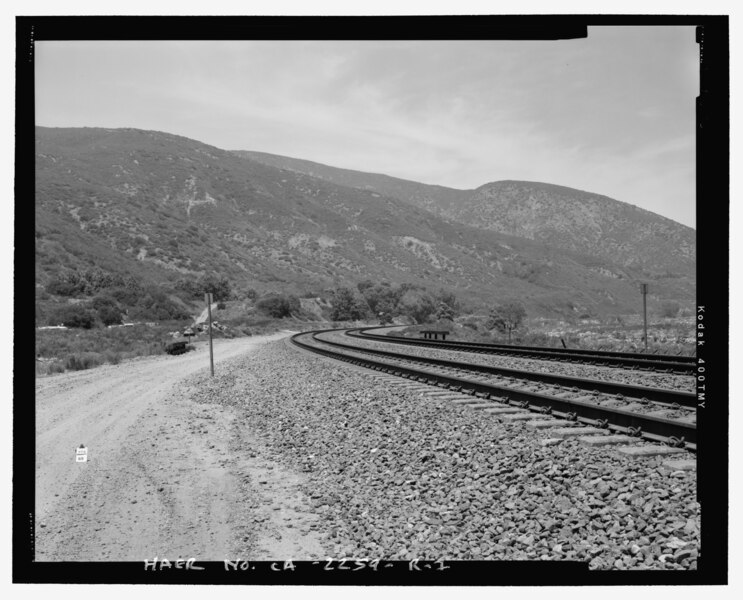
(649, 451)
(537, 425)
(607, 440)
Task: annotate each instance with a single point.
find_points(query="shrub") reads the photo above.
(112, 357)
(110, 315)
(155, 304)
(126, 296)
(108, 309)
(278, 305)
(669, 309)
(56, 366)
(103, 301)
(219, 287)
(62, 287)
(88, 282)
(77, 315)
(48, 368)
(84, 360)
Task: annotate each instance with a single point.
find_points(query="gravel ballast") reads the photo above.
(394, 474)
(682, 383)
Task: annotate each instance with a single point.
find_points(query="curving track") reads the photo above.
(633, 360)
(654, 414)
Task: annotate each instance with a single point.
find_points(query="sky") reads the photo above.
(612, 114)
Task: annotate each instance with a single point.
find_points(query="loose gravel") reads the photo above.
(396, 475)
(682, 383)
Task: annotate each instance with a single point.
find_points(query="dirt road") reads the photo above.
(168, 473)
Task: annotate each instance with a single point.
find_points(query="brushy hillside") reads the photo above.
(164, 209)
(558, 216)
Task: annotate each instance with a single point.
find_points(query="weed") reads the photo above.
(85, 360)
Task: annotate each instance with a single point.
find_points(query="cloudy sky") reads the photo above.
(612, 114)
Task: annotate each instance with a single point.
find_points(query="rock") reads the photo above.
(683, 553)
(551, 442)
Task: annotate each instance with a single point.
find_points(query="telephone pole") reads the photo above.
(644, 290)
(208, 298)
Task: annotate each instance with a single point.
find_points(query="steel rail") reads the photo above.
(682, 364)
(688, 359)
(661, 395)
(647, 426)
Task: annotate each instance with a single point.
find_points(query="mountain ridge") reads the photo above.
(499, 206)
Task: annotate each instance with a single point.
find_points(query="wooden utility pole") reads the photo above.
(644, 290)
(208, 298)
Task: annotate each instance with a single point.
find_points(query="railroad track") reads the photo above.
(681, 365)
(636, 411)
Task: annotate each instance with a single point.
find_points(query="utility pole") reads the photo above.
(644, 290)
(208, 298)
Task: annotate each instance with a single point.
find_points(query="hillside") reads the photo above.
(559, 216)
(583, 222)
(164, 208)
(420, 194)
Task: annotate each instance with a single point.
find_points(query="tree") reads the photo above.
(382, 297)
(156, 304)
(444, 312)
(450, 300)
(347, 306)
(506, 317)
(419, 306)
(219, 287)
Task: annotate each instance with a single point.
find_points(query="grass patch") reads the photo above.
(667, 336)
(78, 349)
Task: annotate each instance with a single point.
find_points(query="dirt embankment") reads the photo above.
(168, 475)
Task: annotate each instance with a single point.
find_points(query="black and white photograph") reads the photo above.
(349, 306)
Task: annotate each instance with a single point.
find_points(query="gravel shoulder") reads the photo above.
(284, 455)
(166, 471)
